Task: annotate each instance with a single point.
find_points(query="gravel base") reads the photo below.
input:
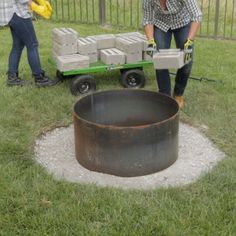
(197, 155)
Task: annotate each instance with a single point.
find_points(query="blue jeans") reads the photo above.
(163, 40)
(23, 34)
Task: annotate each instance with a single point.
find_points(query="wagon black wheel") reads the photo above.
(134, 78)
(83, 84)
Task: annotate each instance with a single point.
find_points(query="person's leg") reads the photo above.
(15, 54)
(14, 58)
(163, 40)
(183, 73)
(24, 29)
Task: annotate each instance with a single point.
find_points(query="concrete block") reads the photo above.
(133, 57)
(54, 55)
(128, 45)
(141, 40)
(112, 56)
(64, 35)
(87, 46)
(144, 39)
(93, 57)
(129, 34)
(168, 59)
(72, 62)
(104, 40)
(146, 57)
(64, 49)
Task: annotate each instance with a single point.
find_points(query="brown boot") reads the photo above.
(180, 101)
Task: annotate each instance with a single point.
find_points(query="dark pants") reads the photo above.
(23, 34)
(163, 40)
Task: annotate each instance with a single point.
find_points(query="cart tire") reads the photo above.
(83, 84)
(133, 78)
(135, 68)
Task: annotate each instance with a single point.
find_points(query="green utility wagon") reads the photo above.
(132, 76)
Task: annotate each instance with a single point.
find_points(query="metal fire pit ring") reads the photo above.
(126, 132)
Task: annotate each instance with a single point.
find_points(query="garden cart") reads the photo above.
(132, 76)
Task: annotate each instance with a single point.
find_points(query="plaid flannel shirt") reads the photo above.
(9, 7)
(178, 13)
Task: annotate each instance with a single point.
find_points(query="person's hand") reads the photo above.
(188, 50)
(41, 10)
(151, 47)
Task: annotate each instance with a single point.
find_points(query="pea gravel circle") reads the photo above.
(197, 155)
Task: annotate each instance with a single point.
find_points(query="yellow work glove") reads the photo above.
(46, 4)
(40, 10)
(152, 47)
(188, 50)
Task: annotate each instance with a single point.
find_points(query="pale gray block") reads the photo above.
(144, 39)
(64, 35)
(128, 34)
(112, 56)
(141, 40)
(128, 45)
(87, 46)
(146, 57)
(93, 57)
(133, 57)
(99, 54)
(104, 40)
(72, 62)
(54, 54)
(168, 59)
(64, 49)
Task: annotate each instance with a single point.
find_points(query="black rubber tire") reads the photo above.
(83, 84)
(133, 78)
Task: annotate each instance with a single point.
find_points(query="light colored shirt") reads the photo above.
(9, 7)
(177, 13)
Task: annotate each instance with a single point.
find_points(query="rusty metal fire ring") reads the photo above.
(126, 132)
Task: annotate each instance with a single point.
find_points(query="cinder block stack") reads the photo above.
(73, 52)
(65, 50)
(64, 41)
(132, 48)
(88, 47)
(112, 56)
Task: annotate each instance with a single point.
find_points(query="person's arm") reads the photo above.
(148, 18)
(149, 31)
(193, 30)
(196, 17)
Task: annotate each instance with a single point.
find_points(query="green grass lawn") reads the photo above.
(33, 203)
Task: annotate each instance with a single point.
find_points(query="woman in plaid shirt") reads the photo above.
(18, 15)
(161, 20)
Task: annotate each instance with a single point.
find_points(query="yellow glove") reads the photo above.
(46, 4)
(188, 50)
(40, 10)
(152, 47)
